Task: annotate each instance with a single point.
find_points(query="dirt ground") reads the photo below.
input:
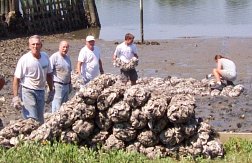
(183, 57)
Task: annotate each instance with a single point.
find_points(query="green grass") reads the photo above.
(237, 150)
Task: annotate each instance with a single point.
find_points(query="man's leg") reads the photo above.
(124, 76)
(29, 101)
(133, 76)
(217, 75)
(40, 96)
(65, 93)
(57, 99)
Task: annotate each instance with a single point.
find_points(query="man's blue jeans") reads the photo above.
(60, 96)
(34, 103)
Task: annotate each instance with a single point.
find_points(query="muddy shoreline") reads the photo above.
(183, 57)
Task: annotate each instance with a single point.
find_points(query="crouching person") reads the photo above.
(225, 71)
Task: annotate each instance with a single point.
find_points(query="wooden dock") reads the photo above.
(47, 16)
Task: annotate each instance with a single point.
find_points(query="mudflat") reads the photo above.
(182, 57)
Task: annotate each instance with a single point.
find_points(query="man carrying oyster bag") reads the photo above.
(125, 57)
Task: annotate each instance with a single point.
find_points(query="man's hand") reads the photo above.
(17, 103)
(50, 96)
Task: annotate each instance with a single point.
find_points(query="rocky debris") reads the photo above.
(102, 120)
(151, 118)
(113, 143)
(120, 112)
(110, 96)
(156, 106)
(24, 127)
(124, 131)
(138, 119)
(181, 108)
(142, 43)
(148, 138)
(136, 96)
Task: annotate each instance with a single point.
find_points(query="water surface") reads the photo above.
(165, 19)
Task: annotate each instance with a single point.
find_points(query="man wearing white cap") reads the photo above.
(89, 62)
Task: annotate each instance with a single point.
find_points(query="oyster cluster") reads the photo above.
(156, 117)
(126, 66)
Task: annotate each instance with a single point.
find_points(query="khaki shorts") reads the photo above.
(226, 75)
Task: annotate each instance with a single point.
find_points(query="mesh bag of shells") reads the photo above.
(156, 117)
(126, 66)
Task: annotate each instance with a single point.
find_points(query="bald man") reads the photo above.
(62, 67)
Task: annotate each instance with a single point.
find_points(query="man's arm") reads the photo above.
(219, 65)
(100, 66)
(116, 52)
(49, 79)
(114, 57)
(78, 69)
(15, 86)
(17, 103)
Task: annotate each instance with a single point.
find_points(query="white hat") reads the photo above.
(90, 38)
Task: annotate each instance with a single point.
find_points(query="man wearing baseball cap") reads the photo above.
(89, 63)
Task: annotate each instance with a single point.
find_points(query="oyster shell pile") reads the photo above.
(156, 117)
(126, 66)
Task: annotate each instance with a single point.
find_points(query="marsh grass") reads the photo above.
(237, 150)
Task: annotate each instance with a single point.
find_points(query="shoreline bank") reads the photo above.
(184, 58)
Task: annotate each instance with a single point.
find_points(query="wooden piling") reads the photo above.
(91, 11)
(5, 5)
(2, 7)
(141, 21)
(11, 5)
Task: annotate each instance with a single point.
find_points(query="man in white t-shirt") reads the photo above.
(32, 72)
(89, 63)
(225, 71)
(62, 67)
(126, 51)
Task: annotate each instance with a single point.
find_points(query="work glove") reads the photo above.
(50, 96)
(80, 80)
(209, 76)
(17, 103)
(114, 63)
